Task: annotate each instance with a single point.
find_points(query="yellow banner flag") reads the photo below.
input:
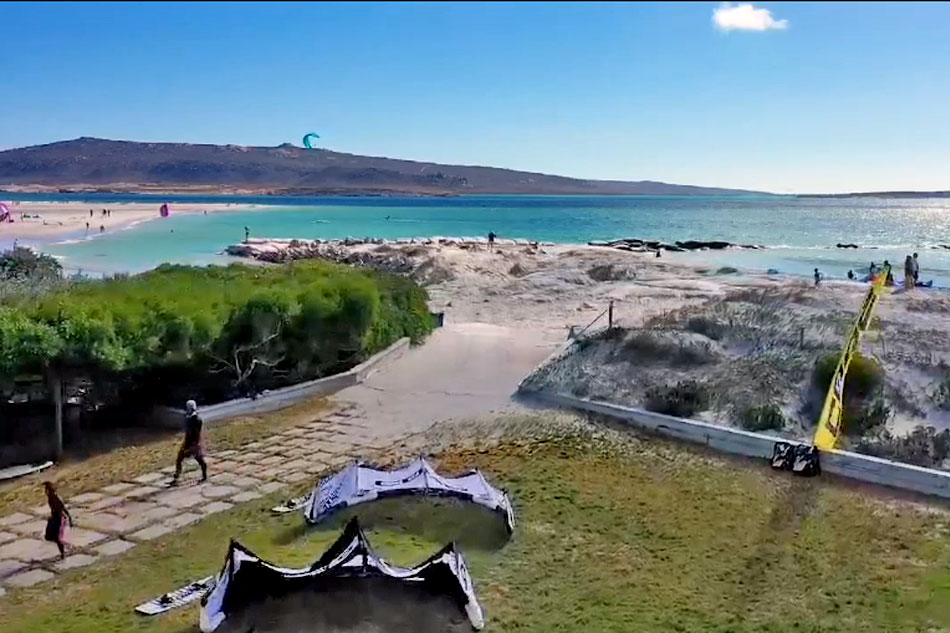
(829, 422)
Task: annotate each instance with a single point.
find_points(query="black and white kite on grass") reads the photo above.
(359, 483)
(247, 580)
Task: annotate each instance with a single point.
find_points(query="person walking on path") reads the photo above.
(191, 446)
(58, 515)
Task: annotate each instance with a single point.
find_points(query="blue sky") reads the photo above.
(847, 96)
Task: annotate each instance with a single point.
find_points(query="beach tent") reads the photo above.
(359, 483)
(246, 580)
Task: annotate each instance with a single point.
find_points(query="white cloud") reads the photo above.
(745, 17)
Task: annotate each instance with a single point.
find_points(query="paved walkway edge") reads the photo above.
(864, 468)
(287, 396)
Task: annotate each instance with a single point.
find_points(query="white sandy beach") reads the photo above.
(552, 288)
(48, 221)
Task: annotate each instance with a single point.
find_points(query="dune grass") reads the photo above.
(612, 536)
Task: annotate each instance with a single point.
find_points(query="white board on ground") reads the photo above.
(24, 469)
(291, 505)
(177, 598)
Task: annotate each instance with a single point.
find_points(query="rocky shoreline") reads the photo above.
(637, 245)
(406, 256)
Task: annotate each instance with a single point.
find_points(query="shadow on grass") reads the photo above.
(437, 520)
(352, 604)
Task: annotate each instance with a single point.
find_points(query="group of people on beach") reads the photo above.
(911, 272)
(59, 521)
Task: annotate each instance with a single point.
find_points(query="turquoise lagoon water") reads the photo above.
(799, 233)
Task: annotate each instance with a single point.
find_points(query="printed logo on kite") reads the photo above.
(308, 140)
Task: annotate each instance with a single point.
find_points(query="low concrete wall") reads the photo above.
(286, 396)
(864, 468)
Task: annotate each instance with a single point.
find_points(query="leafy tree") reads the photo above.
(252, 337)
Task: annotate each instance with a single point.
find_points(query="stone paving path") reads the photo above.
(463, 371)
(115, 518)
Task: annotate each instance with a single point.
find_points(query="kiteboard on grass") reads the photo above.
(291, 505)
(177, 598)
(24, 469)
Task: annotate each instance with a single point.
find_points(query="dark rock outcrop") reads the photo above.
(638, 246)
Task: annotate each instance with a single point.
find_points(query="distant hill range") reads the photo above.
(881, 194)
(91, 164)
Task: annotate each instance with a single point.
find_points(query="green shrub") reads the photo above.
(763, 417)
(865, 408)
(213, 328)
(682, 400)
(707, 327)
(941, 394)
(649, 346)
(923, 446)
(872, 417)
(26, 265)
(865, 376)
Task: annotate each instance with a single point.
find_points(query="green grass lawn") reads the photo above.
(633, 535)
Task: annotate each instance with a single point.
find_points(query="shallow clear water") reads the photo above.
(801, 233)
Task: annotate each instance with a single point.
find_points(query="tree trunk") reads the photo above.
(56, 384)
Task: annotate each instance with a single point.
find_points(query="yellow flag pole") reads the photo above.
(830, 420)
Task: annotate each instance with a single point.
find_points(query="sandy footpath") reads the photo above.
(50, 220)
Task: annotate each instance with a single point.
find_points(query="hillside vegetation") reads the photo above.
(99, 164)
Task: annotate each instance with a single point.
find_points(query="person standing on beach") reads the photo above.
(491, 240)
(58, 515)
(910, 280)
(247, 234)
(817, 277)
(851, 275)
(191, 446)
(916, 270)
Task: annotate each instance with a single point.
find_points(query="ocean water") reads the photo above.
(799, 233)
